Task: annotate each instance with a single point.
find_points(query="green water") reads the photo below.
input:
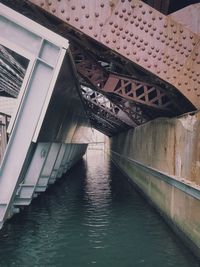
(91, 217)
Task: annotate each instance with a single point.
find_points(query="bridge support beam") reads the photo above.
(162, 159)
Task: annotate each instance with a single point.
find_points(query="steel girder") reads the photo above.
(140, 34)
(126, 87)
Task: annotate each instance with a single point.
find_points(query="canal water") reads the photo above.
(91, 217)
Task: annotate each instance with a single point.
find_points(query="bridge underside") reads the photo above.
(126, 64)
(134, 63)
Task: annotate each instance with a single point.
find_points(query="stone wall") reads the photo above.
(170, 147)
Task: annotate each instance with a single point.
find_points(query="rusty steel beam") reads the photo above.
(104, 116)
(126, 87)
(140, 34)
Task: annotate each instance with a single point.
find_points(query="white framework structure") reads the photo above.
(29, 164)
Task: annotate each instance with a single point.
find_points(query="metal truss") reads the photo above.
(11, 73)
(126, 87)
(104, 115)
(139, 34)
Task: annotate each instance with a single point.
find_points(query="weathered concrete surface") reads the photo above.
(173, 147)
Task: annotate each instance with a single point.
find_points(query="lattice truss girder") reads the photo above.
(126, 87)
(140, 34)
(11, 73)
(104, 115)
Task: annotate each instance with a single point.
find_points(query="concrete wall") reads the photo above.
(172, 147)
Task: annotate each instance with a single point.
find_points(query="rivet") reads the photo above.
(160, 32)
(143, 48)
(184, 37)
(101, 24)
(90, 27)
(107, 41)
(160, 17)
(146, 30)
(53, 10)
(179, 83)
(140, 5)
(186, 83)
(150, 11)
(123, 37)
(118, 33)
(131, 34)
(102, 5)
(136, 24)
(149, 65)
(87, 16)
(158, 37)
(73, 7)
(144, 22)
(134, 53)
(141, 40)
(42, 4)
(104, 35)
(149, 25)
(143, 12)
(153, 18)
(116, 12)
(81, 26)
(116, 25)
(133, 42)
(95, 35)
(165, 25)
(67, 18)
(139, 19)
(149, 52)
(137, 59)
(155, 65)
(138, 45)
(124, 10)
(195, 88)
(141, 27)
(191, 37)
(128, 39)
(154, 28)
(158, 71)
(50, 3)
(136, 37)
(118, 47)
(131, 21)
(146, 43)
(121, 28)
(114, 40)
(181, 30)
(83, 6)
(174, 31)
(62, 10)
(157, 50)
(172, 25)
(121, 15)
(126, 31)
(96, 14)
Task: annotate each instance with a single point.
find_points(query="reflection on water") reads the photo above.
(92, 217)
